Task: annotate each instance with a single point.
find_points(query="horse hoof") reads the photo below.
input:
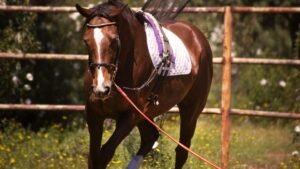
(136, 162)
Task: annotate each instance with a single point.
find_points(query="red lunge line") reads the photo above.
(162, 131)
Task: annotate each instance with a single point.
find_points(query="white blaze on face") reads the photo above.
(101, 83)
(98, 37)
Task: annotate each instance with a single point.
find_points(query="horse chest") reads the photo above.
(111, 108)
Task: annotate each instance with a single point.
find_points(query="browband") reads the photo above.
(100, 25)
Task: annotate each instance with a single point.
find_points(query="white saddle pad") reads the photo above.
(181, 63)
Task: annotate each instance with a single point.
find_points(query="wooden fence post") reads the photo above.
(226, 87)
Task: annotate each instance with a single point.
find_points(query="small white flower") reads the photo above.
(15, 80)
(76, 66)
(295, 153)
(258, 51)
(18, 66)
(56, 73)
(29, 76)
(217, 34)
(234, 70)
(297, 129)
(77, 25)
(282, 83)
(214, 37)
(27, 101)
(18, 37)
(48, 26)
(233, 54)
(263, 82)
(27, 87)
(74, 15)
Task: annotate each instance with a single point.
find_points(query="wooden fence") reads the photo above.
(226, 62)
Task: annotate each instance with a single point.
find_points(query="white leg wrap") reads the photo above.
(136, 162)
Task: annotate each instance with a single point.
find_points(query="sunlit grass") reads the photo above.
(252, 146)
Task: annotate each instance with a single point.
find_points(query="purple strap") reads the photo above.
(157, 37)
(159, 40)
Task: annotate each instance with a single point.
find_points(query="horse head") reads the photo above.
(102, 39)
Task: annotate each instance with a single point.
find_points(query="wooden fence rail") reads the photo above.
(41, 107)
(4, 55)
(216, 60)
(80, 108)
(266, 61)
(69, 9)
(265, 9)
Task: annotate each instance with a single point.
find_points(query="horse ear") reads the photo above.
(83, 11)
(116, 1)
(117, 11)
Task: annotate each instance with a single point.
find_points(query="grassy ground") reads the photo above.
(252, 146)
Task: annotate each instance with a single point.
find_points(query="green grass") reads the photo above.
(252, 146)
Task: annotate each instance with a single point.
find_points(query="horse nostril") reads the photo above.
(107, 90)
(93, 86)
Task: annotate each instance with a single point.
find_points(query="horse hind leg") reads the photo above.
(149, 135)
(188, 121)
(190, 108)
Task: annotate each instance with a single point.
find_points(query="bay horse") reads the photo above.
(118, 54)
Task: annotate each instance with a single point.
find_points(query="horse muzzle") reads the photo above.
(101, 92)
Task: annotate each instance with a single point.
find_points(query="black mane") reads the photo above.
(105, 9)
(165, 10)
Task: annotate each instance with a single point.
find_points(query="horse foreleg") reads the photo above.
(149, 135)
(95, 126)
(124, 125)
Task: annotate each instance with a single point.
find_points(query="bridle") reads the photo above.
(110, 66)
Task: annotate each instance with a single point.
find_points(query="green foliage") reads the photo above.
(296, 51)
(264, 87)
(61, 82)
(252, 146)
(18, 36)
(256, 35)
(18, 31)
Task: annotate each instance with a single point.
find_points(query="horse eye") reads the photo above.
(115, 43)
(92, 66)
(85, 39)
(111, 68)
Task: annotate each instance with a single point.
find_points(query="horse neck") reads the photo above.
(134, 60)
